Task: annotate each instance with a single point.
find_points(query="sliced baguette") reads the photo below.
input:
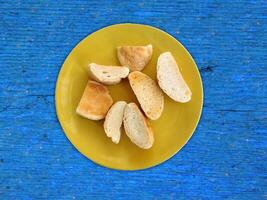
(148, 94)
(113, 121)
(171, 80)
(95, 101)
(136, 127)
(136, 57)
(108, 75)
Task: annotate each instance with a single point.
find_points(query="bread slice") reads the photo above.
(108, 75)
(136, 57)
(170, 79)
(136, 127)
(113, 121)
(95, 101)
(148, 94)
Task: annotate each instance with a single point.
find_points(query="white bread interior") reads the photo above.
(113, 121)
(137, 127)
(108, 75)
(171, 80)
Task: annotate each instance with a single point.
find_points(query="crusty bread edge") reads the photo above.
(132, 69)
(89, 116)
(158, 115)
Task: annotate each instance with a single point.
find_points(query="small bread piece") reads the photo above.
(136, 57)
(95, 101)
(148, 94)
(108, 75)
(113, 121)
(170, 79)
(136, 127)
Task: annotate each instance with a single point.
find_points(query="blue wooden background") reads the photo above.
(225, 159)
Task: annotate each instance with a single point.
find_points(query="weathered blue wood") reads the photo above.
(225, 159)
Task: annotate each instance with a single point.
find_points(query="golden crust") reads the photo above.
(135, 57)
(95, 101)
(148, 94)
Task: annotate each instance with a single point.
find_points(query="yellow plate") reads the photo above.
(171, 131)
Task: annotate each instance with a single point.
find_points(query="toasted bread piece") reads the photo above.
(170, 79)
(148, 94)
(113, 121)
(136, 127)
(95, 101)
(108, 75)
(136, 57)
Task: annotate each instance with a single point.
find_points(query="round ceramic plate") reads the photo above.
(171, 131)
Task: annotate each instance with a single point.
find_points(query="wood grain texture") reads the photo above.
(225, 159)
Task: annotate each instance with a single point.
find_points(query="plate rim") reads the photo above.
(56, 99)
